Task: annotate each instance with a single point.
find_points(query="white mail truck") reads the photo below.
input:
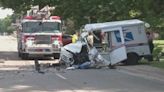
(108, 39)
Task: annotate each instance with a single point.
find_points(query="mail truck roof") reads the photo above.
(99, 26)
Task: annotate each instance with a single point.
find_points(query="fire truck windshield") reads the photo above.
(33, 27)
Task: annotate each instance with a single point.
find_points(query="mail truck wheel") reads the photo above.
(24, 56)
(132, 59)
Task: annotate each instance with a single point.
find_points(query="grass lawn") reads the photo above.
(158, 64)
(153, 63)
(158, 41)
(159, 47)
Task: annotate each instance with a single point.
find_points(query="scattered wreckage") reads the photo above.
(80, 55)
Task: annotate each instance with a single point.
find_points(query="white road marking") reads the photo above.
(59, 75)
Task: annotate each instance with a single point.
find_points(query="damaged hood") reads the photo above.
(74, 47)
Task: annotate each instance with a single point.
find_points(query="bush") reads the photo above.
(157, 50)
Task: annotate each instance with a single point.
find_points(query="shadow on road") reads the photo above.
(13, 56)
(9, 55)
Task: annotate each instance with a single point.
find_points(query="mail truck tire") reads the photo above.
(24, 56)
(132, 59)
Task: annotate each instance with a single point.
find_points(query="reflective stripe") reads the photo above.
(136, 44)
(128, 45)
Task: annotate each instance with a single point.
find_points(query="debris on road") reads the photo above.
(37, 66)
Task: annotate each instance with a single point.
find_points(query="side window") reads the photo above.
(109, 39)
(128, 36)
(118, 36)
(66, 37)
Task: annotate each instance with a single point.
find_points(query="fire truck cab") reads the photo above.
(39, 37)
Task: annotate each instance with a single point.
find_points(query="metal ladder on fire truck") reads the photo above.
(43, 13)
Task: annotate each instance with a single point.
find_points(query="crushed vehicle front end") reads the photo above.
(74, 53)
(81, 56)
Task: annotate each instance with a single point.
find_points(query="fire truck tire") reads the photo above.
(19, 54)
(24, 56)
(132, 59)
(56, 56)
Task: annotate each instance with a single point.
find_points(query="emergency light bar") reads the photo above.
(28, 17)
(55, 17)
(51, 18)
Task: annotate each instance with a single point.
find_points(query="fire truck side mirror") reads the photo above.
(40, 23)
(20, 28)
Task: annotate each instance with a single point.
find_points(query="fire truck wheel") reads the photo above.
(56, 56)
(19, 54)
(132, 59)
(24, 56)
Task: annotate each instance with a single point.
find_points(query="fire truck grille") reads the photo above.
(43, 39)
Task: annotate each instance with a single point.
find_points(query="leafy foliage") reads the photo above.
(5, 25)
(86, 11)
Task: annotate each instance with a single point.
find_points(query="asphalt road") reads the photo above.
(18, 75)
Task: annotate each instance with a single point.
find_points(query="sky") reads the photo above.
(5, 12)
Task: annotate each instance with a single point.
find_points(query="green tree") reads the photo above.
(85, 11)
(5, 25)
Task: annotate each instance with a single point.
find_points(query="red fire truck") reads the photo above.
(40, 35)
